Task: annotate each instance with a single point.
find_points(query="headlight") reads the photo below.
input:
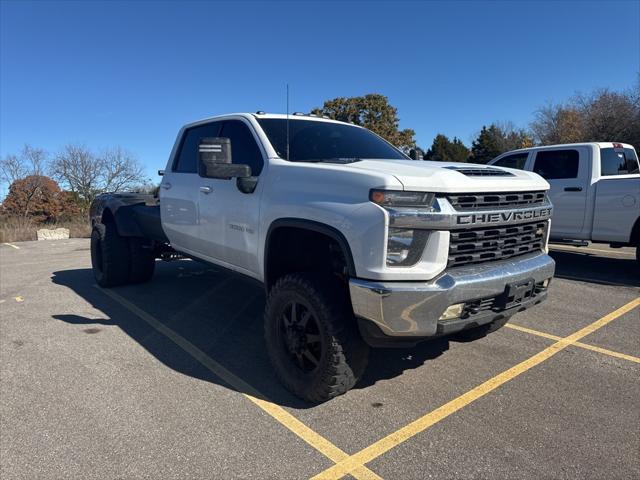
(405, 246)
(396, 198)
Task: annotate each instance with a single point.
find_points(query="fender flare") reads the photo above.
(313, 226)
(120, 209)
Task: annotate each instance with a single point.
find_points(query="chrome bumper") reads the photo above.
(413, 309)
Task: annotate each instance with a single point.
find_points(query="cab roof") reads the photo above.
(569, 145)
(262, 115)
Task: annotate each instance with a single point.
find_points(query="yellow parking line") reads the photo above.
(12, 245)
(586, 346)
(313, 438)
(390, 441)
(568, 248)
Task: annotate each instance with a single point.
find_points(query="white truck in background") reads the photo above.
(355, 244)
(595, 190)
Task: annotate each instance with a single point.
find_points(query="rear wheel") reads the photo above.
(638, 255)
(312, 338)
(110, 257)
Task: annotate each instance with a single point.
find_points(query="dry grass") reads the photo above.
(19, 229)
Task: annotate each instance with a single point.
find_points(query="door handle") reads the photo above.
(205, 189)
(166, 185)
(572, 189)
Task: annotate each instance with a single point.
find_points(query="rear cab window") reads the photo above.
(618, 161)
(556, 164)
(515, 160)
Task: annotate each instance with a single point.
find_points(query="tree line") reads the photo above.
(47, 187)
(601, 116)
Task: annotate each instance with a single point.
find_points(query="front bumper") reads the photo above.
(412, 310)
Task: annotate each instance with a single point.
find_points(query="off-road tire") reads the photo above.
(143, 261)
(343, 353)
(110, 256)
(481, 331)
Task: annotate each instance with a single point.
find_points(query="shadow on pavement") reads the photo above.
(586, 267)
(221, 314)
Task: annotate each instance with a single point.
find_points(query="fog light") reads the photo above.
(405, 246)
(546, 283)
(454, 311)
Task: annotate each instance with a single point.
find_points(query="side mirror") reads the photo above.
(416, 154)
(214, 159)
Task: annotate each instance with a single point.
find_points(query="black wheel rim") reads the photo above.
(300, 337)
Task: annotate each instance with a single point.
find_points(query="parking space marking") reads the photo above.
(311, 437)
(568, 248)
(592, 281)
(586, 346)
(394, 439)
(11, 245)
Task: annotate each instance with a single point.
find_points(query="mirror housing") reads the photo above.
(247, 184)
(416, 154)
(214, 159)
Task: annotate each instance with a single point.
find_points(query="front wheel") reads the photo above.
(312, 337)
(638, 255)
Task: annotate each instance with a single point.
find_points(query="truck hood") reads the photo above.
(453, 177)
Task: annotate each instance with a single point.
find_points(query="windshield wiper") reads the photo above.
(341, 160)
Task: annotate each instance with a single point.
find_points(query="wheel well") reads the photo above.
(107, 217)
(303, 248)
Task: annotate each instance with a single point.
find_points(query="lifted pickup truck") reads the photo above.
(356, 244)
(595, 190)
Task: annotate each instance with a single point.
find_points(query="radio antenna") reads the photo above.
(287, 121)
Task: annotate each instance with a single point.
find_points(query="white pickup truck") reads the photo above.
(595, 190)
(356, 244)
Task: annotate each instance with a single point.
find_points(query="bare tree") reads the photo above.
(602, 116)
(121, 170)
(559, 124)
(30, 161)
(609, 116)
(87, 174)
(79, 170)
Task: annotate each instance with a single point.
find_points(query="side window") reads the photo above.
(244, 148)
(187, 158)
(618, 162)
(516, 160)
(552, 164)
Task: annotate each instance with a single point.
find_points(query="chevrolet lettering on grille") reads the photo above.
(503, 217)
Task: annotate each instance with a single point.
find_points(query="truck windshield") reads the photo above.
(317, 141)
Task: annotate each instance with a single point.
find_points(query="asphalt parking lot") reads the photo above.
(171, 380)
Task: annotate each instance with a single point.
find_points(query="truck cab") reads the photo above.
(595, 189)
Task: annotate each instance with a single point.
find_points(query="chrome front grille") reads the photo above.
(481, 201)
(495, 243)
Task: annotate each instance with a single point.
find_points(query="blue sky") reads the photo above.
(131, 73)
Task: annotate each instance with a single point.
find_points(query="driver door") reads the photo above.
(229, 218)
